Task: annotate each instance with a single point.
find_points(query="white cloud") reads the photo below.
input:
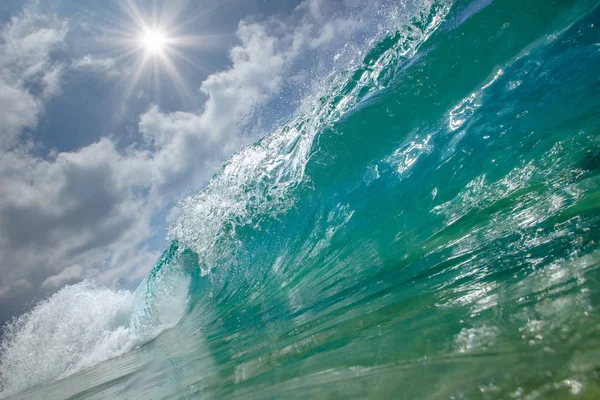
(72, 274)
(105, 65)
(79, 208)
(28, 78)
(18, 110)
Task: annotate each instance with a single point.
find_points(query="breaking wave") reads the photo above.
(426, 223)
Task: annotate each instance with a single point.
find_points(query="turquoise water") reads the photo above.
(426, 226)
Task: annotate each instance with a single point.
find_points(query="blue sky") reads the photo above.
(101, 136)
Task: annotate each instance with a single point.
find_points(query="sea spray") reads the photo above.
(78, 326)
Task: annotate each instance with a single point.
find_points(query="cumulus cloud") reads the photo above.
(105, 65)
(72, 274)
(28, 77)
(78, 208)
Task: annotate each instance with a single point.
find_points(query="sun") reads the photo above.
(154, 40)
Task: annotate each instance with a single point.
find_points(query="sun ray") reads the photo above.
(196, 16)
(193, 62)
(177, 80)
(138, 70)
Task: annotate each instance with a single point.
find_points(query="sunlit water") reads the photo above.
(425, 227)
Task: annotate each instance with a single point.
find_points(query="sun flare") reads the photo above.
(154, 40)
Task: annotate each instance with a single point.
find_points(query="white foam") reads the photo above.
(77, 327)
